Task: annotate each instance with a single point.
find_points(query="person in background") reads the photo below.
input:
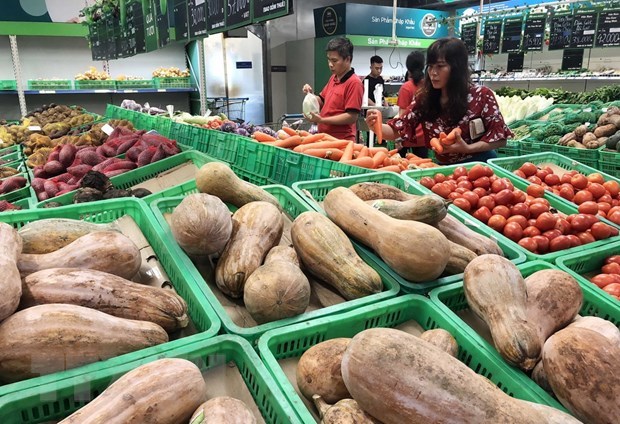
(415, 74)
(341, 99)
(447, 100)
(374, 78)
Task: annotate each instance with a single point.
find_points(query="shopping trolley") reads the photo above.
(232, 107)
(295, 121)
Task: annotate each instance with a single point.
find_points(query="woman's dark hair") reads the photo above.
(342, 46)
(454, 52)
(415, 66)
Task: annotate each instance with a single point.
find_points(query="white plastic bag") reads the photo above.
(310, 104)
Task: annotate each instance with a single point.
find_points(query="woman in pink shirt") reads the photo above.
(415, 74)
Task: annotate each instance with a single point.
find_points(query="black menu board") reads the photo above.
(469, 34)
(511, 37)
(534, 33)
(113, 35)
(216, 16)
(95, 37)
(269, 9)
(150, 25)
(161, 20)
(135, 28)
(179, 17)
(560, 31)
(492, 37)
(584, 28)
(515, 62)
(572, 59)
(197, 18)
(238, 13)
(608, 32)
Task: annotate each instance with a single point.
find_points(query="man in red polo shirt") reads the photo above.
(341, 99)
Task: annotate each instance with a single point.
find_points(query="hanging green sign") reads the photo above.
(270, 9)
(376, 41)
(238, 13)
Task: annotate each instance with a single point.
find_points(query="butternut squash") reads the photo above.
(318, 371)
(540, 377)
(257, 227)
(601, 326)
(283, 253)
(165, 391)
(106, 293)
(442, 339)
(345, 411)
(10, 282)
(459, 233)
(417, 252)
(223, 410)
(106, 251)
(496, 292)
(582, 369)
(217, 179)
(429, 209)
(201, 224)
(56, 337)
(398, 378)
(327, 253)
(460, 257)
(554, 298)
(374, 191)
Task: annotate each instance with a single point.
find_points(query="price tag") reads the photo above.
(107, 129)
(102, 91)
(588, 109)
(34, 128)
(170, 109)
(47, 91)
(130, 91)
(161, 90)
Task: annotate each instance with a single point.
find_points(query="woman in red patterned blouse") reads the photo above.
(448, 99)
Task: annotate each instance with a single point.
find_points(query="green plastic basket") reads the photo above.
(610, 168)
(529, 146)
(113, 112)
(294, 340)
(588, 157)
(182, 82)
(50, 84)
(315, 191)
(451, 300)
(6, 85)
(293, 206)
(512, 148)
(131, 178)
(254, 160)
(199, 309)
(519, 183)
(578, 264)
(59, 398)
(134, 84)
(222, 145)
(163, 125)
(20, 193)
(10, 154)
(608, 155)
(95, 84)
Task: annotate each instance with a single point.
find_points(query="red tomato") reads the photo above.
(462, 203)
(498, 185)
(579, 181)
(563, 225)
(465, 184)
(552, 179)
(462, 178)
(543, 244)
(472, 198)
(611, 268)
(614, 231)
(493, 178)
(519, 173)
(531, 222)
(542, 201)
(538, 208)
(504, 197)
(605, 198)
(574, 240)
(476, 171)
(427, 182)
(461, 190)
(534, 179)
(501, 210)
(586, 237)
(600, 230)
(595, 177)
(439, 178)
(518, 196)
(453, 195)
(441, 189)
(513, 231)
(520, 209)
(602, 280)
(596, 189)
(551, 234)
(528, 243)
(528, 168)
(483, 214)
(603, 206)
(614, 259)
(519, 219)
(565, 179)
(488, 171)
(612, 289)
(451, 184)
(482, 182)
(531, 231)
(559, 243)
(614, 217)
(546, 221)
(582, 196)
(589, 207)
(542, 174)
(567, 193)
(486, 201)
(612, 187)
(535, 190)
(480, 191)
(460, 171)
(497, 222)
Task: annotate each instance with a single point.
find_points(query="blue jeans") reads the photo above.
(480, 157)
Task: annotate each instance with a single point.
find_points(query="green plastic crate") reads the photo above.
(199, 309)
(608, 155)
(293, 205)
(469, 220)
(451, 299)
(129, 179)
(59, 398)
(254, 161)
(315, 191)
(588, 157)
(222, 145)
(610, 168)
(20, 193)
(163, 125)
(50, 84)
(134, 84)
(528, 146)
(294, 340)
(181, 82)
(6, 85)
(113, 112)
(512, 148)
(579, 264)
(10, 154)
(95, 84)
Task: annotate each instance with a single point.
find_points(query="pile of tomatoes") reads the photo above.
(525, 218)
(592, 193)
(609, 278)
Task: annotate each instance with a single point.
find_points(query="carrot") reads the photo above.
(427, 165)
(363, 152)
(312, 138)
(391, 168)
(392, 152)
(289, 131)
(378, 159)
(449, 139)
(374, 150)
(269, 143)
(333, 154)
(282, 134)
(419, 161)
(436, 145)
(377, 128)
(290, 142)
(348, 152)
(261, 136)
(304, 133)
(357, 147)
(363, 162)
(336, 144)
(330, 137)
(387, 161)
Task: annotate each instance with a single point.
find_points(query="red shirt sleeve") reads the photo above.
(494, 125)
(405, 95)
(406, 124)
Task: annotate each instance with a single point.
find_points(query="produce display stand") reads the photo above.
(313, 192)
(15, 149)
(50, 84)
(292, 341)
(293, 206)
(200, 311)
(58, 398)
(95, 84)
(452, 303)
(469, 220)
(9, 85)
(583, 266)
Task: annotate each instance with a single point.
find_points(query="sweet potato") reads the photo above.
(51, 188)
(146, 156)
(53, 167)
(122, 164)
(67, 154)
(159, 154)
(79, 171)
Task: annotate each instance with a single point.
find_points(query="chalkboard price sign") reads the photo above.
(216, 16)
(608, 33)
(468, 35)
(572, 59)
(269, 9)
(161, 20)
(135, 28)
(492, 37)
(238, 13)
(584, 26)
(511, 38)
(560, 31)
(197, 18)
(534, 33)
(515, 62)
(181, 28)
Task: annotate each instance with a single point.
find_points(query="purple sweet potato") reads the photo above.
(105, 163)
(51, 188)
(116, 172)
(37, 185)
(126, 145)
(67, 154)
(63, 177)
(42, 196)
(54, 154)
(122, 164)
(53, 167)
(170, 148)
(146, 156)
(160, 154)
(38, 172)
(91, 158)
(78, 171)
(134, 152)
(11, 184)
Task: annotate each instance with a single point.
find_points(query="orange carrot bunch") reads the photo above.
(437, 143)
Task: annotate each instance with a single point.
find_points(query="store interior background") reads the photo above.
(291, 42)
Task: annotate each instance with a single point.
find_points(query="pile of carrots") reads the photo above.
(325, 146)
(444, 139)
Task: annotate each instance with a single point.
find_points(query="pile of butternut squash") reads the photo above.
(68, 300)
(535, 326)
